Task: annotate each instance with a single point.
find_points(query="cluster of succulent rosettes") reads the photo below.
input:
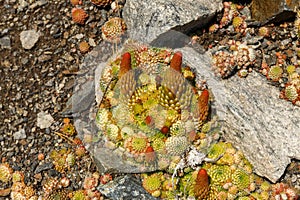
(239, 57)
(283, 191)
(113, 29)
(90, 183)
(20, 190)
(151, 104)
(55, 189)
(279, 72)
(231, 177)
(232, 16)
(291, 90)
(275, 72)
(63, 159)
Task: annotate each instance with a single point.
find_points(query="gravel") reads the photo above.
(39, 61)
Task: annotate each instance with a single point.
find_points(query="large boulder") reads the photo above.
(146, 20)
(263, 126)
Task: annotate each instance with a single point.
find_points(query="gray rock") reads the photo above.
(20, 134)
(273, 11)
(265, 127)
(114, 163)
(42, 167)
(125, 188)
(83, 97)
(146, 20)
(29, 38)
(44, 120)
(83, 94)
(5, 42)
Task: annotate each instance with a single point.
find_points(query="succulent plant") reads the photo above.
(5, 172)
(152, 183)
(275, 72)
(113, 29)
(224, 64)
(17, 176)
(79, 15)
(201, 187)
(264, 31)
(241, 179)
(283, 191)
(84, 47)
(291, 93)
(78, 195)
(90, 183)
(176, 146)
(219, 173)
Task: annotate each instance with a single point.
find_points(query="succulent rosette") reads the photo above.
(151, 108)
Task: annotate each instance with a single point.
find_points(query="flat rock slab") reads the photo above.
(273, 11)
(265, 127)
(146, 20)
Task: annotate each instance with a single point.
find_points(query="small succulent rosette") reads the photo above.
(151, 110)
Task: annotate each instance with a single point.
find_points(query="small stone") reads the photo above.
(44, 120)
(79, 36)
(43, 167)
(38, 4)
(68, 57)
(92, 42)
(44, 58)
(5, 42)
(22, 4)
(4, 192)
(29, 38)
(38, 176)
(20, 134)
(24, 61)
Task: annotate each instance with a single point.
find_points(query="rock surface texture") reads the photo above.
(126, 187)
(146, 20)
(273, 10)
(265, 127)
